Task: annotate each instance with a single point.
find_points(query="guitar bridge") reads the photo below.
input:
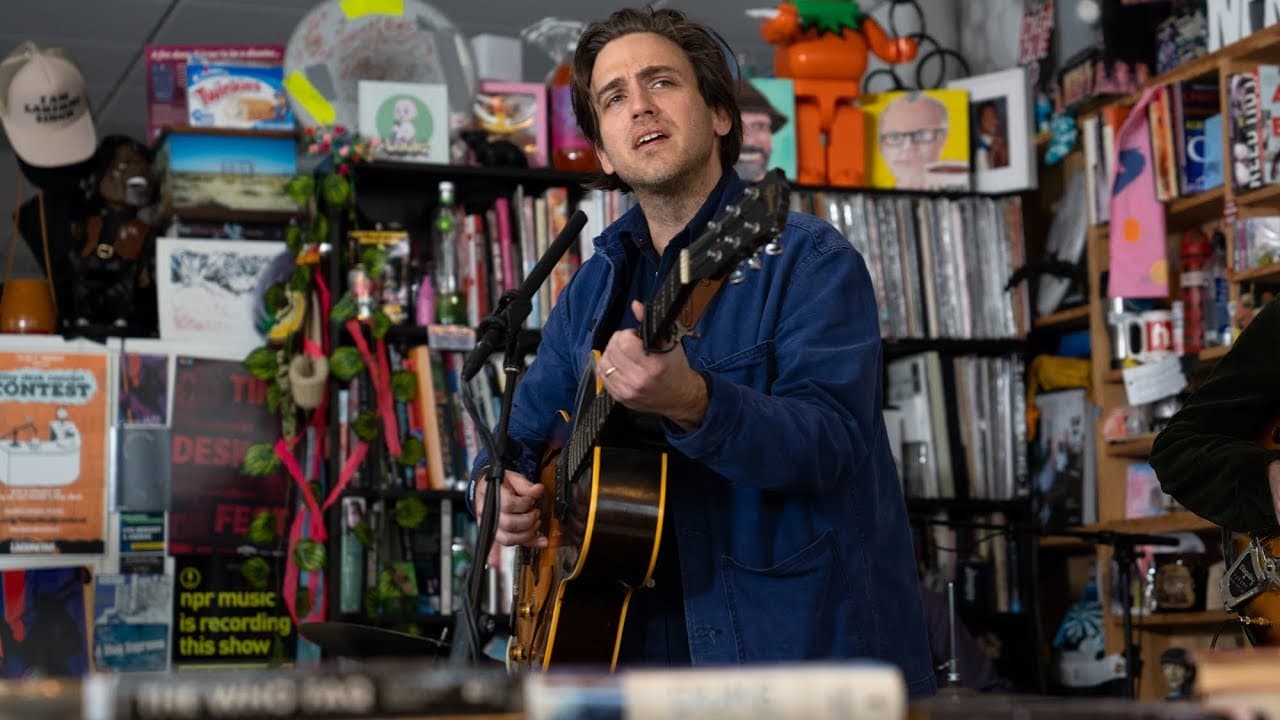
(1251, 573)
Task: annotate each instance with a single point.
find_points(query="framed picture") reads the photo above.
(208, 288)
(515, 112)
(768, 107)
(410, 120)
(1001, 121)
(918, 140)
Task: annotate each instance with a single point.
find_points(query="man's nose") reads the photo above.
(641, 102)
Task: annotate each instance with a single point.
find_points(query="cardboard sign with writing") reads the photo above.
(53, 433)
(219, 410)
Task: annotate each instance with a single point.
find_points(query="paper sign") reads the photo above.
(1155, 381)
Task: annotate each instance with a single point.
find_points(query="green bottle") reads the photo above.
(451, 307)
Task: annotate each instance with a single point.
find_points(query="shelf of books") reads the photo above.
(1221, 101)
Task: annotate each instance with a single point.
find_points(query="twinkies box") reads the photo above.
(167, 76)
(237, 96)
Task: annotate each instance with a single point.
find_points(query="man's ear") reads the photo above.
(722, 122)
(603, 157)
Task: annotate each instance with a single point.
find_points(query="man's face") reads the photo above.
(757, 145)
(912, 134)
(656, 131)
(989, 121)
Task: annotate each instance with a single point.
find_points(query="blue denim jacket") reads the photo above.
(793, 540)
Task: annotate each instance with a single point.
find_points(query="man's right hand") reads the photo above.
(519, 513)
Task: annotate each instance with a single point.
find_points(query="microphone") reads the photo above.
(514, 306)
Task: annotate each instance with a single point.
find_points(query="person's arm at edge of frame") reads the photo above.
(1208, 457)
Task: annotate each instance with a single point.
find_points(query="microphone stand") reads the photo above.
(502, 328)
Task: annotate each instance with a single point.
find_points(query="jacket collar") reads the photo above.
(632, 226)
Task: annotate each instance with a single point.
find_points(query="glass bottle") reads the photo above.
(451, 307)
(571, 151)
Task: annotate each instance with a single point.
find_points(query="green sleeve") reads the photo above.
(1208, 457)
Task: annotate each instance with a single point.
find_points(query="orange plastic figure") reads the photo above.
(822, 45)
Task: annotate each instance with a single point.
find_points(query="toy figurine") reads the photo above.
(1178, 672)
(822, 45)
(115, 240)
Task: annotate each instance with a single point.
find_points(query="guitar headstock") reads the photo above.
(755, 219)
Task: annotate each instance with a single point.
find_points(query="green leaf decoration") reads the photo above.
(317, 492)
(410, 512)
(409, 628)
(345, 309)
(302, 602)
(345, 363)
(262, 530)
(275, 394)
(829, 15)
(364, 534)
(411, 451)
(289, 425)
(300, 189)
(319, 231)
(309, 555)
(275, 298)
(257, 572)
(293, 237)
(404, 386)
(261, 363)
(374, 260)
(381, 324)
(301, 280)
(260, 460)
(365, 425)
(371, 603)
(387, 588)
(336, 190)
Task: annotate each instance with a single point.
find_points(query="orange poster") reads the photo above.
(53, 444)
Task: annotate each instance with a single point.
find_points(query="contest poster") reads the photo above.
(227, 610)
(54, 415)
(42, 622)
(918, 140)
(219, 410)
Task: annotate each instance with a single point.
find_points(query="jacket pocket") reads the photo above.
(801, 608)
(749, 366)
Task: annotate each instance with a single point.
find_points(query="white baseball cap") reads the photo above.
(44, 106)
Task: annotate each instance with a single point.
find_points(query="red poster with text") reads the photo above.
(219, 410)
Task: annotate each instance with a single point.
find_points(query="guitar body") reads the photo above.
(1251, 584)
(604, 530)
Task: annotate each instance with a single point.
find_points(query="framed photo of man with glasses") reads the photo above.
(918, 140)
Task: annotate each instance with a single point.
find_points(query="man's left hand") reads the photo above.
(662, 383)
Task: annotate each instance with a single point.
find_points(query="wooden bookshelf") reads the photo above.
(1157, 621)
(1138, 448)
(1264, 274)
(1263, 196)
(1177, 521)
(1071, 317)
(1195, 210)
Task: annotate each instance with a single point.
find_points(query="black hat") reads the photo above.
(751, 100)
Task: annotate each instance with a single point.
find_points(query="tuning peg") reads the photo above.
(754, 262)
(774, 246)
(737, 276)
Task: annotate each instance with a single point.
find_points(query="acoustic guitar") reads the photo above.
(606, 487)
(1251, 584)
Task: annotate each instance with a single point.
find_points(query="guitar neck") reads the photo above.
(658, 329)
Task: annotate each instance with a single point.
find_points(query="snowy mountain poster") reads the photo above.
(213, 288)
